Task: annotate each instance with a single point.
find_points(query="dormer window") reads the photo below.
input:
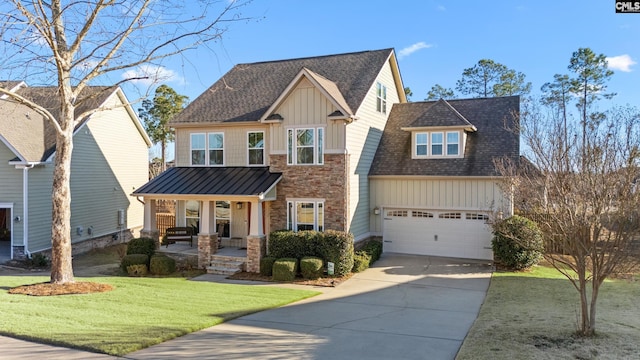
(436, 144)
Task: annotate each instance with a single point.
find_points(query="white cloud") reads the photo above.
(441, 8)
(413, 48)
(622, 62)
(151, 74)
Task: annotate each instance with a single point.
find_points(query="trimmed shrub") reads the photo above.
(311, 267)
(134, 259)
(145, 246)
(331, 246)
(285, 269)
(517, 242)
(374, 249)
(361, 261)
(266, 266)
(137, 270)
(162, 265)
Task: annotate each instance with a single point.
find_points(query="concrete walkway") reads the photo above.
(405, 307)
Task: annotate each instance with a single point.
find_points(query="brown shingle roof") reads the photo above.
(495, 137)
(248, 90)
(32, 136)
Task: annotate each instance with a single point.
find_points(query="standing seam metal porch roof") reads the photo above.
(244, 181)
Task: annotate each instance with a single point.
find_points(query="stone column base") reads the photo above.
(207, 246)
(256, 250)
(153, 234)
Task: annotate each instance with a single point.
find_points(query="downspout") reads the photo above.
(25, 208)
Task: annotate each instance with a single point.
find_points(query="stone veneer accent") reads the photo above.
(256, 249)
(328, 181)
(207, 246)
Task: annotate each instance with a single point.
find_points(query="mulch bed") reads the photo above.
(49, 289)
(323, 281)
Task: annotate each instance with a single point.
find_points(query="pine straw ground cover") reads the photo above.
(534, 315)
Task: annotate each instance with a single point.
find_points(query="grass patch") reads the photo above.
(534, 315)
(138, 313)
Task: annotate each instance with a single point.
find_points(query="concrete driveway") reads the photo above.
(405, 307)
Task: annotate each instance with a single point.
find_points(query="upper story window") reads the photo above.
(255, 145)
(207, 149)
(436, 144)
(381, 98)
(305, 146)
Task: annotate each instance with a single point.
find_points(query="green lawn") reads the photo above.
(534, 315)
(138, 313)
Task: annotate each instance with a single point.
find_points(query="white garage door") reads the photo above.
(462, 234)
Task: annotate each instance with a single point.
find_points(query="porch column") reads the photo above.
(150, 228)
(256, 241)
(207, 240)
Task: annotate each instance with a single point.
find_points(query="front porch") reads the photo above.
(230, 204)
(227, 260)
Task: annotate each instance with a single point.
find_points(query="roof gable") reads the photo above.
(495, 119)
(327, 87)
(248, 91)
(441, 114)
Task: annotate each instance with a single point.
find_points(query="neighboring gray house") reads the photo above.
(109, 160)
(433, 181)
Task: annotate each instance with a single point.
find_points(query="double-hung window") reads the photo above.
(207, 149)
(381, 98)
(305, 146)
(305, 215)
(192, 214)
(255, 145)
(436, 144)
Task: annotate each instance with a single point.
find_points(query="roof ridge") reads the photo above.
(313, 57)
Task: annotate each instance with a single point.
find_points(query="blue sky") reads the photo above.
(434, 40)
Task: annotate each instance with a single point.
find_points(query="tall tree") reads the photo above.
(588, 199)
(488, 78)
(589, 85)
(439, 92)
(556, 95)
(408, 92)
(157, 113)
(75, 43)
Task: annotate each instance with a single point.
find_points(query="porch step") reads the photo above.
(226, 265)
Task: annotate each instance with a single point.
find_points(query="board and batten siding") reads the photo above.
(437, 194)
(307, 106)
(362, 138)
(40, 187)
(11, 190)
(236, 152)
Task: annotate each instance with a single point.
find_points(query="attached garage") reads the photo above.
(461, 234)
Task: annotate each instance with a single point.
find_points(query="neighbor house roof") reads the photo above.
(30, 135)
(243, 181)
(247, 91)
(494, 118)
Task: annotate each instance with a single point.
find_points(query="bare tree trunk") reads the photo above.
(163, 145)
(61, 269)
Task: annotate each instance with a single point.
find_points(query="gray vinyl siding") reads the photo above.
(363, 137)
(11, 190)
(109, 161)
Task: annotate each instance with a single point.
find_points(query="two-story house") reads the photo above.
(330, 143)
(280, 145)
(109, 160)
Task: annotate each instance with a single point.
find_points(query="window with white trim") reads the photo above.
(381, 98)
(436, 144)
(305, 215)
(305, 146)
(207, 149)
(451, 215)
(422, 214)
(255, 146)
(192, 214)
(398, 213)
